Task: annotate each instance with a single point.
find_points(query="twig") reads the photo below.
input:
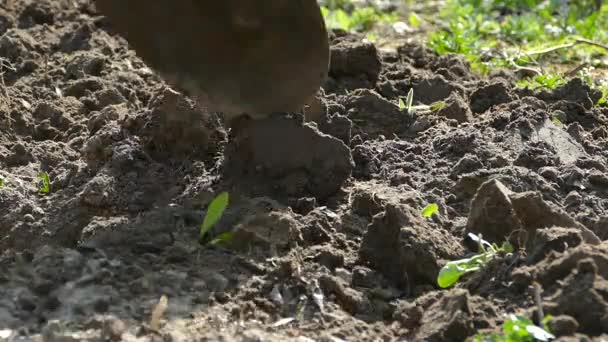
(539, 303)
(566, 46)
(576, 69)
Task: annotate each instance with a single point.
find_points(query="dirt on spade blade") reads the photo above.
(328, 239)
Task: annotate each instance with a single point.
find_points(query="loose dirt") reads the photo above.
(329, 242)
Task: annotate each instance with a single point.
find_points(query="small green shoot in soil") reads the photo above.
(2, 182)
(406, 106)
(453, 270)
(556, 121)
(430, 210)
(44, 183)
(214, 213)
(519, 329)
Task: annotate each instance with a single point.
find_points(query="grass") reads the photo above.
(546, 37)
(341, 14)
(502, 33)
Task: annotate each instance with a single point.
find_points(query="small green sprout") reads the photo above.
(430, 210)
(556, 121)
(409, 100)
(414, 20)
(435, 106)
(2, 182)
(44, 183)
(453, 270)
(222, 239)
(519, 329)
(214, 213)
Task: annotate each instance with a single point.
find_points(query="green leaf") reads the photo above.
(2, 182)
(435, 106)
(401, 104)
(430, 210)
(449, 274)
(222, 239)
(556, 121)
(214, 213)
(409, 100)
(507, 247)
(414, 20)
(45, 183)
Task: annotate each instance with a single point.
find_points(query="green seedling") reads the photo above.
(44, 183)
(519, 329)
(222, 239)
(414, 20)
(2, 182)
(407, 106)
(214, 213)
(430, 210)
(435, 106)
(453, 270)
(556, 121)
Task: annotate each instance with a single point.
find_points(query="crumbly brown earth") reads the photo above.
(329, 242)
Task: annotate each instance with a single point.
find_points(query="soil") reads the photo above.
(328, 242)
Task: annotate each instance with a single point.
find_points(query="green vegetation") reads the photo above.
(453, 270)
(537, 36)
(343, 15)
(44, 183)
(430, 210)
(407, 106)
(519, 329)
(519, 32)
(215, 210)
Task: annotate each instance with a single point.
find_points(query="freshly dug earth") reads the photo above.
(328, 242)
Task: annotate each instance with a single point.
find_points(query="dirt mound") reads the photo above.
(328, 237)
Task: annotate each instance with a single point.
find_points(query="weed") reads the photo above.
(407, 106)
(44, 183)
(214, 213)
(519, 329)
(359, 19)
(430, 210)
(548, 81)
(453, 270)
(493, 33)
(556, 121)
